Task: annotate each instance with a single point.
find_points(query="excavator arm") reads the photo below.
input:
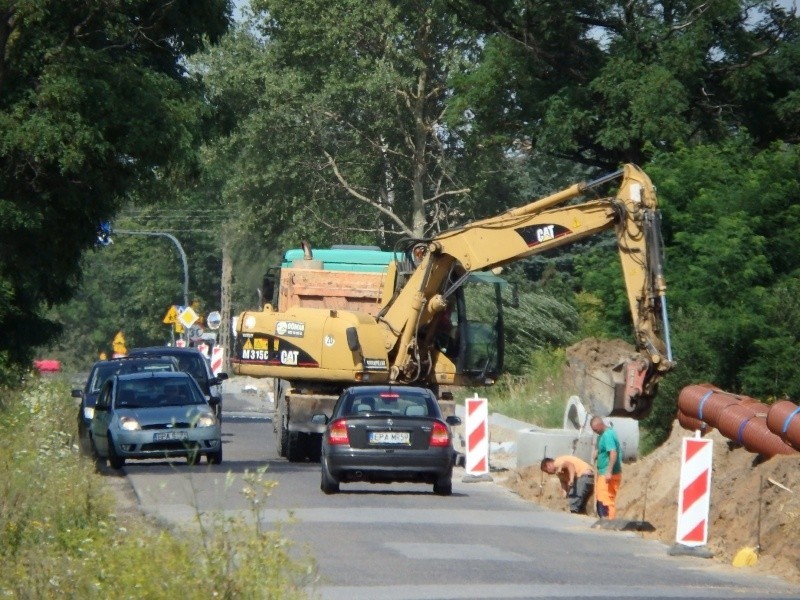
(444, 263)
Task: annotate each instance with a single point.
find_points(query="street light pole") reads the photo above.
(175, 241)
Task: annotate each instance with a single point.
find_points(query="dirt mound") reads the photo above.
(588, 372)
(595, 353)
(649, 492)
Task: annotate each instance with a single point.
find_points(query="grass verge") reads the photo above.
(539, 396)
(60, 536)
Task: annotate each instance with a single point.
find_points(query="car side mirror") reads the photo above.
(77, 393)
(453, 420)
(222, 376)
(319, 419)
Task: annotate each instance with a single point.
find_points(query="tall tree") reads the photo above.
(602, 83)
(94, 100)
(344, 136)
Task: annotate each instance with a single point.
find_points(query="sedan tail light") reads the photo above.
(337, 433)
(440, 436)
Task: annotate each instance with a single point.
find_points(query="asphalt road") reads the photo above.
(401, 541)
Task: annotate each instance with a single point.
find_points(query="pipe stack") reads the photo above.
(741, 419)
(783, 419)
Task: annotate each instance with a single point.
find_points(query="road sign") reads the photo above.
(119, 345)
(187, 317)
(214, 319)
(172, 316)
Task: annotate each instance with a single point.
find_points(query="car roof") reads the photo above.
(128, 359)
(375, 389)
(154, 375)
(163, 350)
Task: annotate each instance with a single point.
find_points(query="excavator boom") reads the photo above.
(447, 260)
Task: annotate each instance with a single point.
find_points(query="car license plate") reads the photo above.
(389, 437)
(165, 436)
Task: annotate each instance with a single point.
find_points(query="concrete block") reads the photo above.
(535, 444)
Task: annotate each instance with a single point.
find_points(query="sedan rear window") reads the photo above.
(391, 402)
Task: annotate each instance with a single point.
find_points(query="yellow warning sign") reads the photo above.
(171, 316)
(119, 344)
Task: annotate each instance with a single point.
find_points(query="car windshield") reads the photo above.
(103, 372)
(152, 393)
(395, 402)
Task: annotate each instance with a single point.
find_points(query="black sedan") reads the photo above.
(384, 434)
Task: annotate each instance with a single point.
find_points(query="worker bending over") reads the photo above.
(576, 477)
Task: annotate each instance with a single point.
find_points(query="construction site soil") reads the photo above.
(755, 503)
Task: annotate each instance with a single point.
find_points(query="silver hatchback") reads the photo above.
(154, 415)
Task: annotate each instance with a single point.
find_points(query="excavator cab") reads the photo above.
(468, 340)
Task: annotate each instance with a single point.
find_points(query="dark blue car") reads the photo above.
(193, 362)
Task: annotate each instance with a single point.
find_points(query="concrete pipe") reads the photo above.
(535, 444)
(576, 416)
(628, 434)
(783, 419)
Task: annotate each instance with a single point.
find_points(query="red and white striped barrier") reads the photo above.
(203, 349)
(217, 358)
(694, 497)
(476, 428)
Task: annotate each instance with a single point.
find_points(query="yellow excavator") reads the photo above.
(412, 323)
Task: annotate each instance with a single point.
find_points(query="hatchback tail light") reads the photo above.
(440, 436)
(337, 433)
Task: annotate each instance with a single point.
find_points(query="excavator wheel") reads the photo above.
(282, 439)
(314, 447)
(280, 422)
(296, 447)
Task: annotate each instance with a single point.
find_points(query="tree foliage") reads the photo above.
(94, 100)
(342, 125)
(602, 83)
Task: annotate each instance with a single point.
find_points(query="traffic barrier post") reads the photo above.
(476, 427)
(217, 358)
(694, 496)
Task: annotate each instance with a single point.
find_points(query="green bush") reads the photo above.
(61, 538)
(538, 396)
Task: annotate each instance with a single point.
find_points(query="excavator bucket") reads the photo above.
(610, 379)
